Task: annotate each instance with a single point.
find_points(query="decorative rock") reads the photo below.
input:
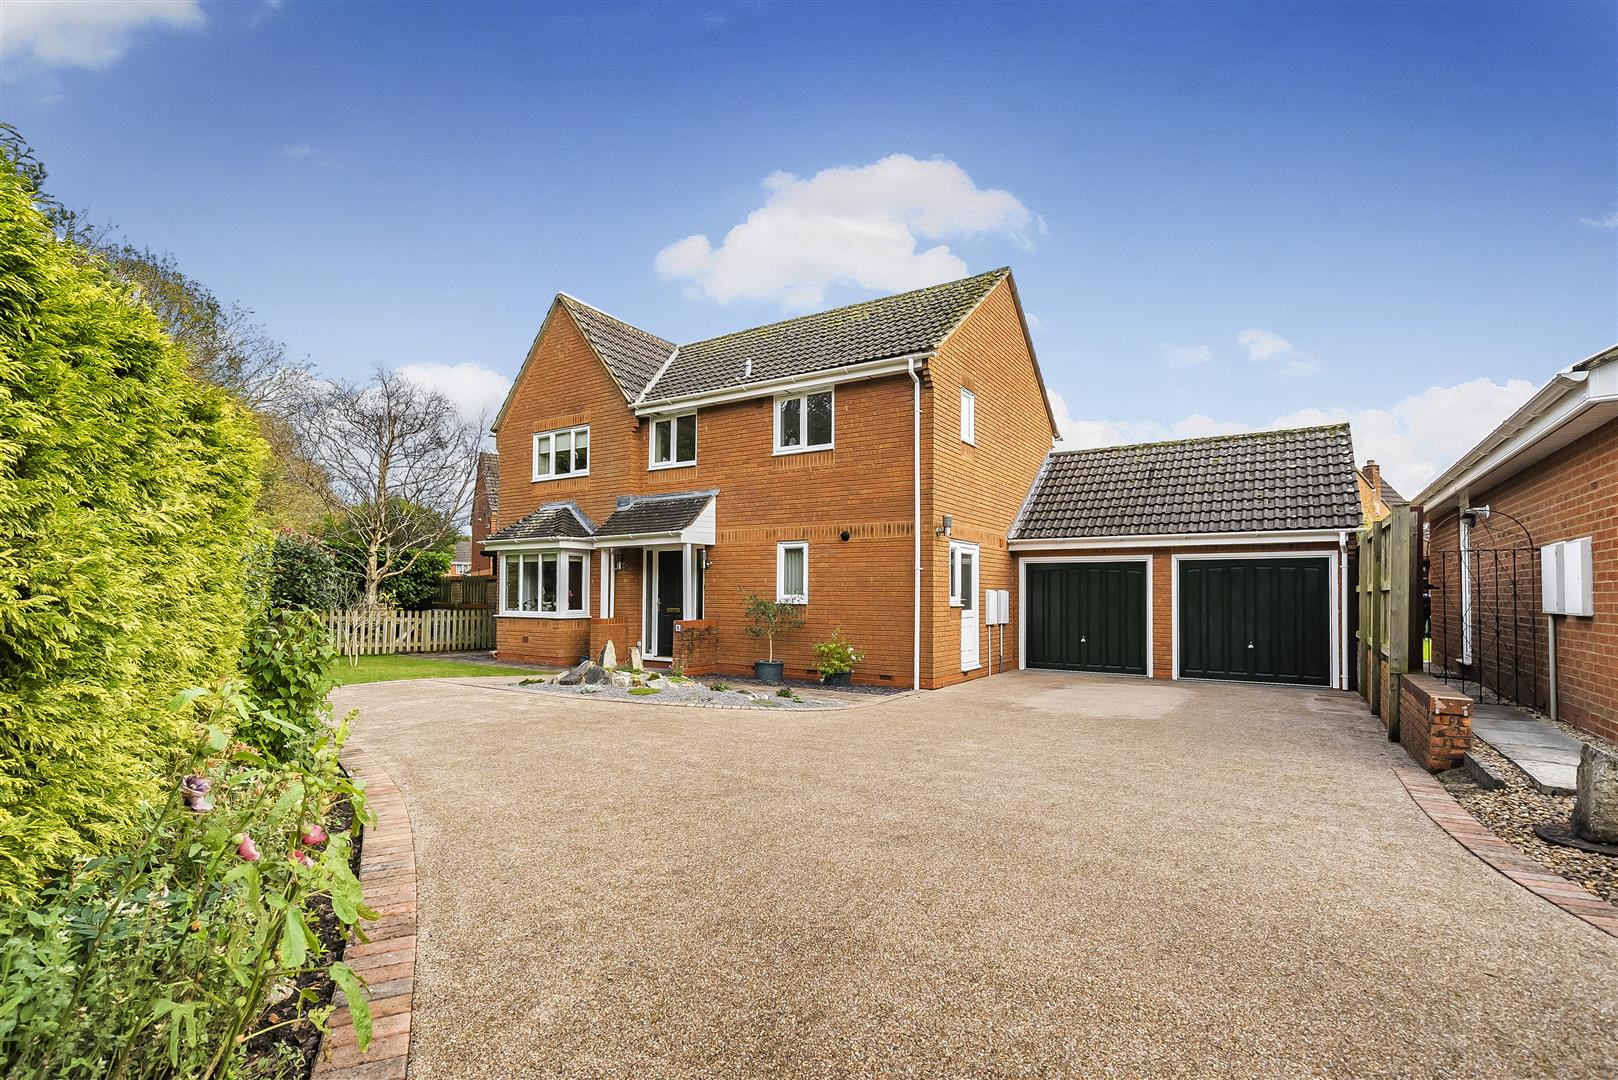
(634, 658)
(609, 655)
(1595, 804)
(589, 673)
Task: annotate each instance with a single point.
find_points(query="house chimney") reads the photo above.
(1373, 477)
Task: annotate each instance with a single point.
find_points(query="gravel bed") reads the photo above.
(692, 692)
(1512, 812)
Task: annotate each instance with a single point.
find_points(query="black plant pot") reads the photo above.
(770, 671)
(842, 678)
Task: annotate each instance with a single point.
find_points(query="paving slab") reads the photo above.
(1547, 754)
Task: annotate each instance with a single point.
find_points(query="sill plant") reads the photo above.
(837, 656)
(771, 618)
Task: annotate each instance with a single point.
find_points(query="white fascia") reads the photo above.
(1091, 543)
(871, 369)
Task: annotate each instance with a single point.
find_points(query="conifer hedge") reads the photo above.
(126, 500)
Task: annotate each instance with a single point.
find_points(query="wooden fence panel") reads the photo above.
(383, 631)
(1390, 610)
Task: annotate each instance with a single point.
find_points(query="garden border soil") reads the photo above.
(1437, 803)
(387, 962)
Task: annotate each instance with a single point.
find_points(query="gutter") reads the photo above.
(915, 428)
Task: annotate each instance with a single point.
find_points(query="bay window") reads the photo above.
(545, 583)
(803, 422)
(562, 453)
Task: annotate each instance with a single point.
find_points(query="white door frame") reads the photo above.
(649, 600)
(1022, 602)
(956, 547)
(1334, 604)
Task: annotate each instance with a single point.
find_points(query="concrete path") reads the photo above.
(1032, 875)
(1547, 754)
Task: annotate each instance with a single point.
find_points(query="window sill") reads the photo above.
(783, 451)
(799, 601)
(560, 616)
(655, 467)
(564, 476)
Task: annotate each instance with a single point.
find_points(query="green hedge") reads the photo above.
(126, 499)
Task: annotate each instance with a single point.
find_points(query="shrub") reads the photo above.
(303, 574)
(126, 497)
(417, 587)
(770, 618)
(160, 958)
(837, 655)
(287, 665)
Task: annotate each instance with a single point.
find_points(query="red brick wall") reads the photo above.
(1571, 494)
(558, 642)
(1435, 722)
(1162, 588)
(696, 647)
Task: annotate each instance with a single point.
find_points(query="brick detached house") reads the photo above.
(866, 462)
(1523, 552)
(1216, 558)
(485, 505)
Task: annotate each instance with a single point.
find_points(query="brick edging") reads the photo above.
(387, 962)
(1439, 805)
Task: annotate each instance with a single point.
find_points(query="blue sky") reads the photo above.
(1220, 216)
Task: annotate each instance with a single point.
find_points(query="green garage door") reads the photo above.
(1260, 620)
(1087, 616)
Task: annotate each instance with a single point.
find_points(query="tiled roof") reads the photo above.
(1390, 496)
(553, 521)
(639, 515)
(489, 478)
(463, 551)
(1268, 481)
(892, 326)
(630, 353)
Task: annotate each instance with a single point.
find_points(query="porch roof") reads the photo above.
(675, 515)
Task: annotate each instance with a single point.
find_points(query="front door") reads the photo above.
(669, 598)
(964, 592)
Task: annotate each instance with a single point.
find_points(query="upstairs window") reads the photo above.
(674, 441)
(803, 422)
(562, 453)
(969, 416)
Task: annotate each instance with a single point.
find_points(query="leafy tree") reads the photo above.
(126, 505)
(417, 587)
(303, 574)
(397, 461)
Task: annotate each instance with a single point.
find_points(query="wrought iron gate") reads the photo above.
(1482, 599)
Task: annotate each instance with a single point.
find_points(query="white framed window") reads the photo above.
(963, 576)
(969, 416)
(565, 452)
(804, 422)
(792, 572)
(674, 441)
(541, 584)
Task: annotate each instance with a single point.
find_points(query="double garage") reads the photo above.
(1260, 618)
(1219, 558)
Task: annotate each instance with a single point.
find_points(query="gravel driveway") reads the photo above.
(1032, 875)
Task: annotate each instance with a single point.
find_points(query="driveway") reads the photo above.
(1031, 875)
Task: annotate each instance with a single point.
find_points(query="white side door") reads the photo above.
(963, 593)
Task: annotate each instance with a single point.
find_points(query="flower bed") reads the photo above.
(675, 690)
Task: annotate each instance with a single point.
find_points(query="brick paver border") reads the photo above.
(387, 962)
(1449, 815)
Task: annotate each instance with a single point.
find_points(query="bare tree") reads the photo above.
(397, 462)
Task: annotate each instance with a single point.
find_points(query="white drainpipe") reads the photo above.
(1341, 656)
(915, 634)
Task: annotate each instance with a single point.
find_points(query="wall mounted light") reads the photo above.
(946, 529)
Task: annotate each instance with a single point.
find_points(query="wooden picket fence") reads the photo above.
(382, 631)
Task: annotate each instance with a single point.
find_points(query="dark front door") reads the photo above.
(1087, 616)
(670, 598)
(1259, 620)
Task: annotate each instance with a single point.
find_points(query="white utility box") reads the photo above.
(1566, 585)
(1550, 580)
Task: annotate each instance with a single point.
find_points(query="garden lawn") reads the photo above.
(388, 668)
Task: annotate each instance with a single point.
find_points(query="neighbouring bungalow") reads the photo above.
(888, 467)
(1522, 552)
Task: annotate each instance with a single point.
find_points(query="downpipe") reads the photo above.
(915, 431)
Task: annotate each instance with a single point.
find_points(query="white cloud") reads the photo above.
(1413, 441)
(849, 225)
(90, 34)
(1607, 221)
(1183, 356)
(1266, 347)
(475, 390)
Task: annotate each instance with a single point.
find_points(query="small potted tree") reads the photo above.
(769, 619)
(836, 659)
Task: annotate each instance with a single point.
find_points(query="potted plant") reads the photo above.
(769, 619)
(836, 659)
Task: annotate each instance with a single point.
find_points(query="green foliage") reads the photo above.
(303, 574)
(126, 497)
(417, 587)
(159, 959)
(642, 691)
(770, 618)
(288, 670)
(837, 655)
